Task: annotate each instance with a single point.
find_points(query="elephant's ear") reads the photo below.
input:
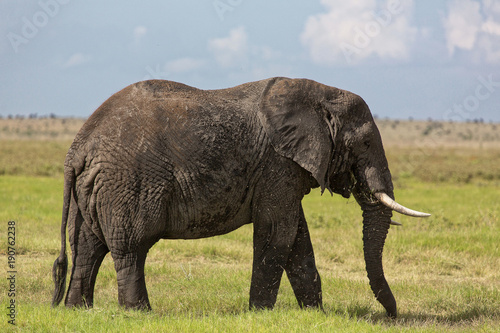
(297, 125)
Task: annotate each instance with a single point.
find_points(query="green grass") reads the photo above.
(443, 270)
(437, 164)
(32, 157)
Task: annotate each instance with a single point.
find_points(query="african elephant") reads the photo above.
(162, 160)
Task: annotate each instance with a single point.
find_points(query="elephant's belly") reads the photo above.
(207, 228)
(192, 219)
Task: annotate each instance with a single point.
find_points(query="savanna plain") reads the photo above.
(444, 271)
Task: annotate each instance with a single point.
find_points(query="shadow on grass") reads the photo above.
(466, 317)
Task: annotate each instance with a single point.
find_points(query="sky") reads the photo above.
(407, 59)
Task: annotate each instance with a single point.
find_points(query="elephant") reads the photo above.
(163, 160)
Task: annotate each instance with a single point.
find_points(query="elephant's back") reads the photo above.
(170, 120)
(133, 104)
(156, 102)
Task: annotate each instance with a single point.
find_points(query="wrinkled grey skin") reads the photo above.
(162, 160)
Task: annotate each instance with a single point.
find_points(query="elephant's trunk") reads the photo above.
(374, 191)
(376, 221)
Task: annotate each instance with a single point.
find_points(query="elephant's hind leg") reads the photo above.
(132, 292)
(88, 254)
(301, 269)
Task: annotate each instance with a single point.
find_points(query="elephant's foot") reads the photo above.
(79, 295)
(263, 304)
(141, 305)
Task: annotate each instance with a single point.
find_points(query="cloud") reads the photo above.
(139, 32)
(491, 27)
(352, 32)
(243, 60)
(462, 24)
(76, 59)
(474, 27)
(184, 65)
(230, 51)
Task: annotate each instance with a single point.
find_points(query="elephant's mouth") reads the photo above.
(343, 184)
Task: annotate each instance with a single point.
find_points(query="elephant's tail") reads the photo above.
(60, 268)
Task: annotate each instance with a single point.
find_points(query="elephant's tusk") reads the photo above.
(396, 223)
(387, 201)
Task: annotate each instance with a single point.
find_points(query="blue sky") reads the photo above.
(438, 59)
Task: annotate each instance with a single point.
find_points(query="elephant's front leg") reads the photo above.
(275, 229)
(301, 269)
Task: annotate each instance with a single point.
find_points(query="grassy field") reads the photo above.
(444, 271)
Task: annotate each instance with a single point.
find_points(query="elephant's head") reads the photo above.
(331, 133)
